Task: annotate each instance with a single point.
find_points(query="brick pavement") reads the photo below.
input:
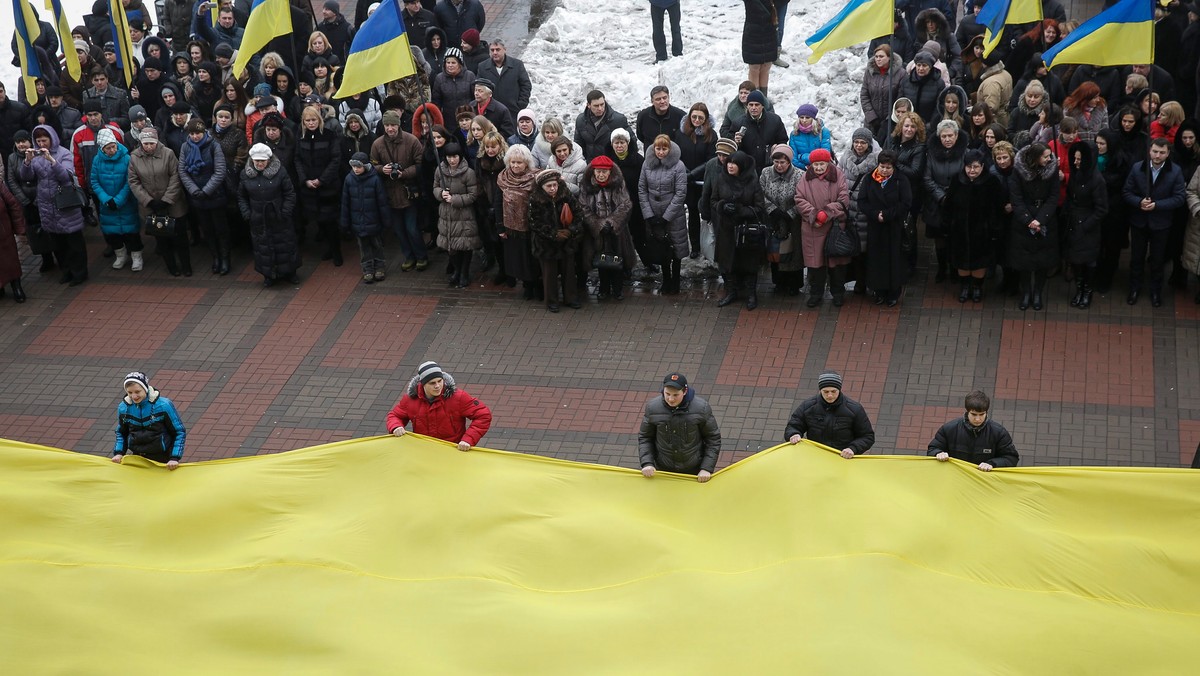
(266, 370)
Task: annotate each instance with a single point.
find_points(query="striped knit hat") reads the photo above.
(830, 379)
(429, 370)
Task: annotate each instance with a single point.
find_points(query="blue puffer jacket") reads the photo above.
(151, 429)
(365, 207)
(110, 181)
(802, 144)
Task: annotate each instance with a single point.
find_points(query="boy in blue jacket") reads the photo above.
(148, 424)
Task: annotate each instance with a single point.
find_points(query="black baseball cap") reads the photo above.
(675, 380)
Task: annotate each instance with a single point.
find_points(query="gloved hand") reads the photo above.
(822, 217)
(111, 204)
(157, 205)
(729, 209)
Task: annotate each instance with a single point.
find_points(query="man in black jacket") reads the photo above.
(760, 131)
(595, 125)
(660, 117)
(833, 419)
(679, 432)
(975, 438)
(513, 86)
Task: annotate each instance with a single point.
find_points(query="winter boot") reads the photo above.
(137, 261)
(976, 290)
(964, 291)
(1078, 297)
(17, 289)
(223, 256)
(122, 256)
(464, 269)
(1085, 300)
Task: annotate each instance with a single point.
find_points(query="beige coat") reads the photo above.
(1191, 240)
(155, 176)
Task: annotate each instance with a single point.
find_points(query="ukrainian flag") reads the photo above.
(379, 53)
(27, 31)
(859, 21)
(64, 37)
(124, 44)
(1120, 35)
(996, 14)
(268, 19)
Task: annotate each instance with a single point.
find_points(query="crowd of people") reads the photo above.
(1015, 173)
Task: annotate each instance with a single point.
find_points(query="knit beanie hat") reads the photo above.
(727, 146)
(471, 37)
(527, 113)
(223, 50)
(139, 378)
(262, 89)
(862, 133)
(391, 117)
(924, 57)
(820, 155)
(429, 370)
(81, 46)
(454, 53)
(806, 110)
(783, 150)
(149, 134)
(830, 379)
(194, 126)
(757, 96)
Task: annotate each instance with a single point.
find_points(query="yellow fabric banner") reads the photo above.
(390, 555)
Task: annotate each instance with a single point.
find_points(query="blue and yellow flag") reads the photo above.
(27, 30)
(124, 44)
(64, 38)
(379, 53)
(1120, 35)
(268, 20)
(859, 21)
(997, 14)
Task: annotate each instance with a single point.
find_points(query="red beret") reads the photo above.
(602, 162)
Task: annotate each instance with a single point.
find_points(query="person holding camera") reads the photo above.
(396, 156)
(59, 201)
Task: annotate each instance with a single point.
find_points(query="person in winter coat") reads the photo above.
(1152, 192)
(25, 191)
(623, 152)
(397, 157)
(778, 183)
(357, 136)
(737, 198)
(115, 202)
(760, 41)
(822, 198)
(760, 131)
(880, 87)
(556, 227)
(973, 218)
(1190, 254)
(552, 128)
(455, 85)
(154, 182)
(606, 209)
(488, 208)
(735, 111)
(679, 432)
(364, 213)
(1114, 227)
(952, 104)
(697, 145)
(885, 199)
(662, 197)
(857, 166)
(459, 17)
(975, 438)
(12, 227)
(1029, 108)
(435, 47)
(1086, 207)
(516, 184)
(922, 86)
(527, 129)
(1032, 246)
(267, 201)
(808, 134)
(995, 90)
(595, 125)
(931, 24)
(202, 171)
(318, 172)
(567, 159)
(1039, 38)
(832, 419)
(658, 118)
(148, 424)
(437, 408)
(945, 163)
(52, 167)
(457, 189)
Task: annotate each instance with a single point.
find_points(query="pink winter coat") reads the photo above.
(815, 194)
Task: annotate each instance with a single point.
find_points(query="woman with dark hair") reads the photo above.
(979, 117)
(1032, 247)
(737, 199)
(456, 189)
(1036, 40)
(973, 214)
(880, 87)
(233, 94)
(202, 172)
(1086, 205)
(886, 200)
(52, 167)
(556, 226)
(1114, 166)
(697, 145)
(1135, 141)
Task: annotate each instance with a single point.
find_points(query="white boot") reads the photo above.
(137, 261)
(122, 258)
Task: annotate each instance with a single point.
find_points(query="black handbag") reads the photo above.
(841, 242)
(68, 197)
(160, 226)
(751, 236)
(608, 259)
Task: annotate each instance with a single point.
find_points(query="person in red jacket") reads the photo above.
(437, 408)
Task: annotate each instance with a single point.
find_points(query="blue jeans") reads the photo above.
(660, 38)
(404, 224)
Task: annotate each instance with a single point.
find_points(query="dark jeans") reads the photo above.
(551, 269)
(781, 9)
(1141, 239)
(404, 224)
(370, 254)
(71, 253)
(660, 39)
(131, 241)
(692, 199)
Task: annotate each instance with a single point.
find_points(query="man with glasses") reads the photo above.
(660, 117)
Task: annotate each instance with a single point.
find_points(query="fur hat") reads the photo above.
(91, 106)
(546, 175)
(618, 133)
(194, 126)
(260, 151)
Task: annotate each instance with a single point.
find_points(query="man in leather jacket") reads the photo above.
(679, 432)
(975, 438)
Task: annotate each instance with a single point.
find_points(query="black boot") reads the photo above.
(464, 269)
(216, 264)
(1085, 300)
(1026, 293)
(751, 292)
(223, 254)
(18, 290)
(964, 291)
(1078, 297)
(976, 290)
(731, 292)
(1039, 282)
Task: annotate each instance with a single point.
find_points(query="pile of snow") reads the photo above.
(585, 45)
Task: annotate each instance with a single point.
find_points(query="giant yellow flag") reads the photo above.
(403, 555)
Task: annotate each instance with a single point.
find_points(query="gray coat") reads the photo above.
(779, 191)
(684, 439)
(856, 168)
(457, 227)
(662, 193)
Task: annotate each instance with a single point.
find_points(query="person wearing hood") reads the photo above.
(154, 47)
(944, 164)
(1114, 166)
(662, 197)
(1186, 156)
(202, 171)
(457, 189)
(267, 201)
(170, 95)
(778, 182)
(435, 48)
(117, 207)
(1153, 191)
(922, 86)
(832, 419)
(679, 432)
(1033, 238)
(952, 104)
(808, 134)
(556, 228)
(931, 24)
(857, 166)
(182, 72)
(318, 170)
(154, 182)
(53, 169)
(975, 438)
(1086, 207)
(606, 210)
(437, 408)
(364, 215)
(365, 105)
(357, 137)
(455, 85)
(880, 87)
(397, 157)
(822, 200)
(148, 424)
(974, 218)
(25, 191)
(206, 90)
(736, 199)
(527, 130)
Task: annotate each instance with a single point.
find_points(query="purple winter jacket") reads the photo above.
(50, 177)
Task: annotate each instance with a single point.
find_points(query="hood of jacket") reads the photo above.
(956, 91)
(931, 14)
(447, 391)
(672, 158)
(435, 30)
(1087, 164)
(117, 157)
(1026, 174)
(163, 47)
(54, 143)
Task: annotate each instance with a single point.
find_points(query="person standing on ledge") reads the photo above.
(679, 432)
(437, 408)
(832, 419)
(975, 438)
(148, 424)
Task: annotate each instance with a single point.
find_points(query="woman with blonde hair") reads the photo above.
(516, 184)
(1170, 116)
(551, 129)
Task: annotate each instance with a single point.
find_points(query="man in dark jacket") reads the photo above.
(762, 130)
(513, 86)
(596, 124)
(14, 116)
(1152, 193)
(417, 20)
(337, 30)
(975, 438)
(679, 432)
(660, 117)
(459, 16)
(496, 113)
(833, 419)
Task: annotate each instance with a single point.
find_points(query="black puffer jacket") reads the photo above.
(318, 156)
(267, 201)
(365, 208)
(842, 424)
(683, 439)
(1034, 196)
(759, 39)
(1086, 207)
(593, 136)
(943, 165)
(989, 443)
